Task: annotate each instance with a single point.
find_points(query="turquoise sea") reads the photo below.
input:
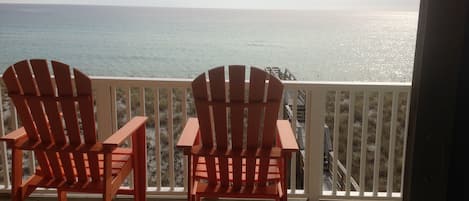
(319, 45)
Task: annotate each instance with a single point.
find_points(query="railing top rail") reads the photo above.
(141, 82)
(185, 82)
(348, 85)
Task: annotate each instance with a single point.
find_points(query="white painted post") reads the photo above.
(157, 139)
(351, 121)
(294, 125)
(317, 99)
(335, 142)
(407, 111)
(392, 144)
(170, 138)
(378, 139)
(184, 119)
(364, 140)
(104, 109)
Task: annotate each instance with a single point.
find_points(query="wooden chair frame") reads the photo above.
(69, 158)
(253, 170)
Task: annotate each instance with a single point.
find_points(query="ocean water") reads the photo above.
(316, 45)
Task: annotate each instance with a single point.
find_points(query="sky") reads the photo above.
(246, 4)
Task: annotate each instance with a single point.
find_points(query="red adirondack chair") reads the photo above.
(59, 126)
(246, 156)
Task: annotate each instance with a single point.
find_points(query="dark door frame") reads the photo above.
(435, 153)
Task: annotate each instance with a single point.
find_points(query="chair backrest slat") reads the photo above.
(257, 80)
(256, 94)
(64, 83)
(199, 89)
(83, 86)
(274, 94)
(236, 85)
(217, 91)
(236, 75)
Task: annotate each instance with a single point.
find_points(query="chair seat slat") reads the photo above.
(270, 191)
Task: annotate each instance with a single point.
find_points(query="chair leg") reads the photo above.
(139, 185)
(16, 175)
(107, 197)
(284, 198)
(61, 195)
(189, 178)
(139, 163)
(17, 194)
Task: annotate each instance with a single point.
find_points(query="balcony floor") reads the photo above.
(117, 199)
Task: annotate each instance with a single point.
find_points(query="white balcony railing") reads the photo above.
(362, 158)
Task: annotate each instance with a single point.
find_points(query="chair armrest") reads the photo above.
(123, 133)
(14, 136)
(189, 134)
(286, 137)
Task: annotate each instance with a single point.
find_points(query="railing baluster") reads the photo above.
(114, 109)
(351, 120)
(14, 116)
(281, 110)
(6, 174)
(128, 103)
(294, 125)
(392, 144)
(364, 139)
(404, 144)
(142, 102)
(184, 119)
(157, 139)
(335, 142)
(308, 137)
(170, 138)
(379, 130)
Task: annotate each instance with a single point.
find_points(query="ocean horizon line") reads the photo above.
(214, 8)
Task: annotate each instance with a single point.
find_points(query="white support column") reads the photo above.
(157, 139)
(104, 109)
(317, 99)
(294, 124)
(184, 119)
